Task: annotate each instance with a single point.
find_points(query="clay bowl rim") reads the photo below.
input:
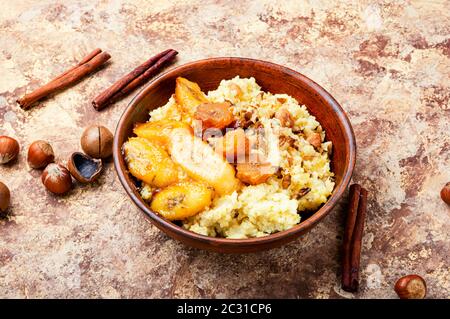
(217, 241)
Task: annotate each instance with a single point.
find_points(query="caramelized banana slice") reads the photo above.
(182, 200)
(149, 162)
(217, 115)
(254, 173)
(160, 131)
(188, 95)
(201, 163)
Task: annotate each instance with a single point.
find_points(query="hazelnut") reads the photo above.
(411, 287)
(9, 148)
(84, 168)
(56, 178)
(97, 141)
(40, 154)
(5, 197)
(445, 193)
(285, 118)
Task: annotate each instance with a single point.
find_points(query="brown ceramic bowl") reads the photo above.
(273, 78)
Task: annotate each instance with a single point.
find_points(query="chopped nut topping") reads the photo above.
(248, 115)
(282, 100)
(285, 118)
(303, 192)
(286, 141)
(290, 160)
(258, 125)
(244, 121)
(279, 173)
(286, 181)
(315, 140)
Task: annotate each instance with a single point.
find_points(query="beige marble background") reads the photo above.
(386, 62)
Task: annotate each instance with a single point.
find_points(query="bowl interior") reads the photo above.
(272, 78)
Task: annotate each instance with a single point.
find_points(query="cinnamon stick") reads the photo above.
(133, 79)
(354, 192)
(87, 65)
(355, 257)
(86, 59)
(147, 74)
(353, 237)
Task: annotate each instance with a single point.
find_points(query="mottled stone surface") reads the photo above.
(386, 62)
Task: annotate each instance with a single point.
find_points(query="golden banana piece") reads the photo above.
(202, 163)
(197, 158)
(160, 131)
(188, 95)
(149, 162)
(182, 200)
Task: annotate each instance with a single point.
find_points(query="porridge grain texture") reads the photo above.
(259, 210)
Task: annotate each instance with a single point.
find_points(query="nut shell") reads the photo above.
(56, 178)
(445, 193)
(411, 287)
(5, 197)
(9, 148)
(97, 141)
(40, 154)
(84, 168)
